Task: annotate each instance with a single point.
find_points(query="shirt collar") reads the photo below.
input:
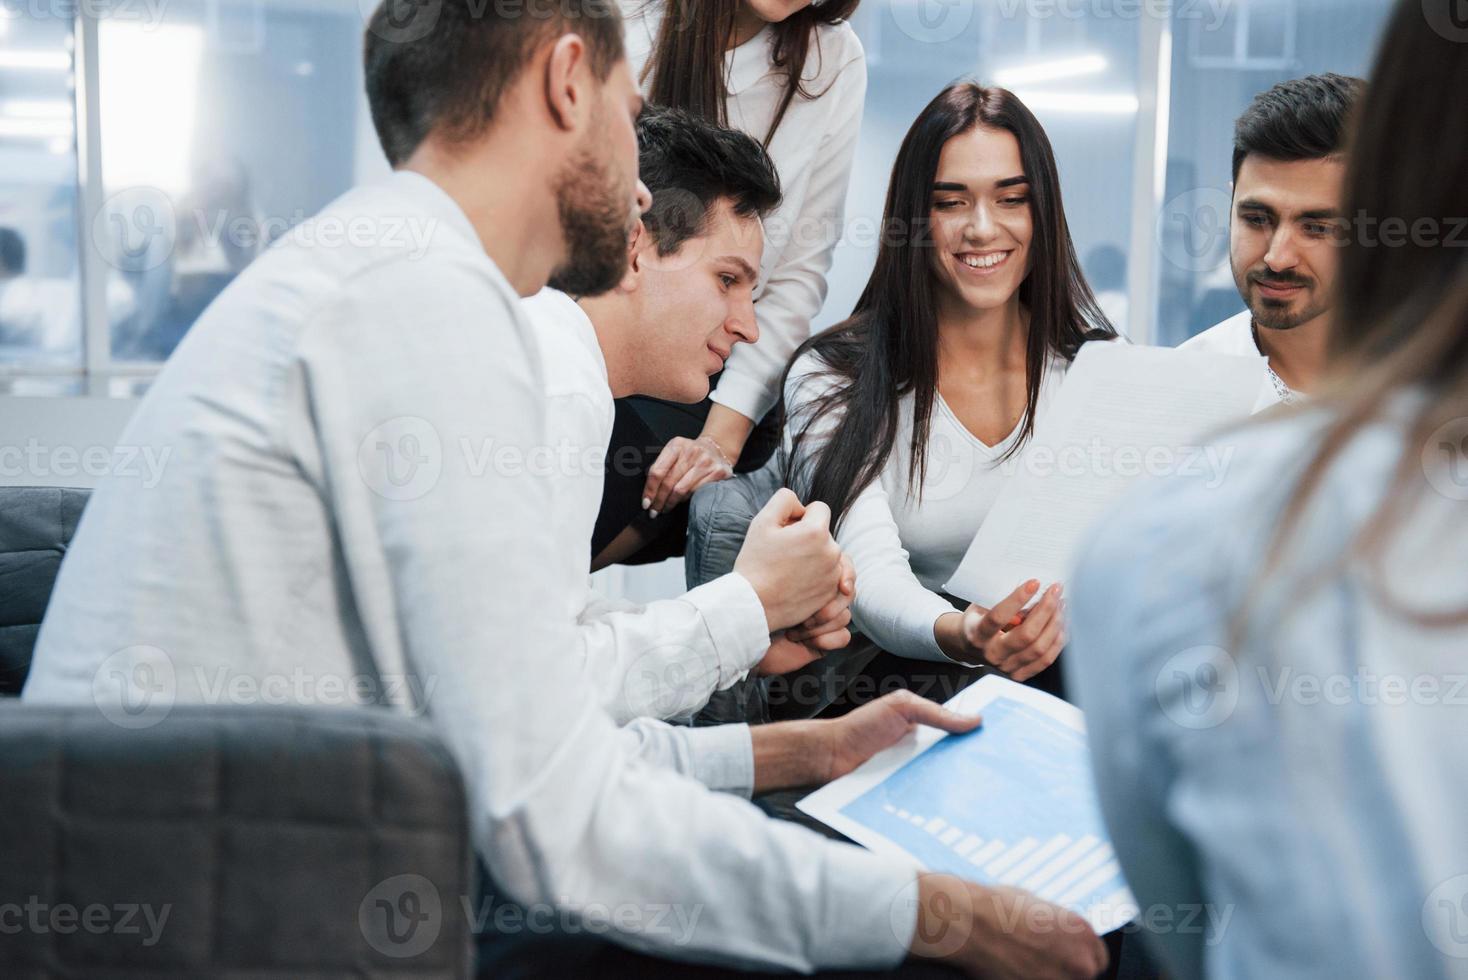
(435, 201)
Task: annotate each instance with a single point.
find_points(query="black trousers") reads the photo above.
(643, 426)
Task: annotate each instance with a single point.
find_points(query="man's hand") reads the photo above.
(790, 559)
(682, 467)
(827, 629)
(786, 655)
(1019, 643)
(852, 739)
(1003, 933)
(810, 753)
(819, 635)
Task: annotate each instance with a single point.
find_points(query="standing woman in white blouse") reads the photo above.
(907, 418)
(792, 74)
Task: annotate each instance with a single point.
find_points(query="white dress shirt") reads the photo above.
(661, 659)
(329, 515)
(813, 151)
(1236, 336)
(905, 547)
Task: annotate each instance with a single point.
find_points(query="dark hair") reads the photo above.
(1401, 319)
(12, 251)
(446, 64)
(889, 346)
(1301, 119)
(689, 164)
(687, 62)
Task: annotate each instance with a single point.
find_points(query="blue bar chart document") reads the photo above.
(1011, 803)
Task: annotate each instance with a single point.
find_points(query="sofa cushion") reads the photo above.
(231, 842)
(36, 525)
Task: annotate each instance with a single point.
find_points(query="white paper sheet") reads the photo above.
(1123, 412)
(1011, 803)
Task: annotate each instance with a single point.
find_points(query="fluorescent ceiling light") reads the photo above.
(34, 128)
(1080, 102)
(36, 60)
(36, 109)
(1049, 71)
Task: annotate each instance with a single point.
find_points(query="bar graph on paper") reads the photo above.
(1009, 804)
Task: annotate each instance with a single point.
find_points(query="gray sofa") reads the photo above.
(217, 842)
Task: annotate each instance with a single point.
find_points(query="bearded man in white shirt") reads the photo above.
(327, 513)
(1285, 230)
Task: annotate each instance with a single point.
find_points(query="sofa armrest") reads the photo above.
(36, 525)
(299, 842)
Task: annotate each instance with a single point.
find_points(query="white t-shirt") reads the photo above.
(813, 151)
(1236, 336)
(904, 548)
(661, 659)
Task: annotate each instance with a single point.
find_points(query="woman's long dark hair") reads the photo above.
(889, 345)
(687, 62)
(1401, 319)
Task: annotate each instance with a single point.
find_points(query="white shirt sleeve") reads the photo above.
(892, 608)
(796, 288)
(561, 808)
(665, 659)
(720, 756)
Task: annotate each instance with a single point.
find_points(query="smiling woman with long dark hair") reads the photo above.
(901, 417)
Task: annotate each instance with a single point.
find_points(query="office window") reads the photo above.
(223, 126)
(40, 293)
(1217, 68)
(214, 128)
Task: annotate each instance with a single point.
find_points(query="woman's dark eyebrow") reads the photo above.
(945, 185)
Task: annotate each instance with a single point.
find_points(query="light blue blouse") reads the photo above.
(1292, 803)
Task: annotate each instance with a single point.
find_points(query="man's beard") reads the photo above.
(1271, 314)
(595, 215)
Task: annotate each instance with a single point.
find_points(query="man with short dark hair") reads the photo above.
(1285, 229)
(336, 516)
(685, 301)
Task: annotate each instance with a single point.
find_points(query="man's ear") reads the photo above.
(567, 95)
(638, 244)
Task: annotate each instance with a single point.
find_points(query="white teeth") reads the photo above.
(983, 261)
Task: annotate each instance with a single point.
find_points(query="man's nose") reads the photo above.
(742, 323)
(1282, 254)
(644, 198)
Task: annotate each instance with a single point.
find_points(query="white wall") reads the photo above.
(63, 442)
